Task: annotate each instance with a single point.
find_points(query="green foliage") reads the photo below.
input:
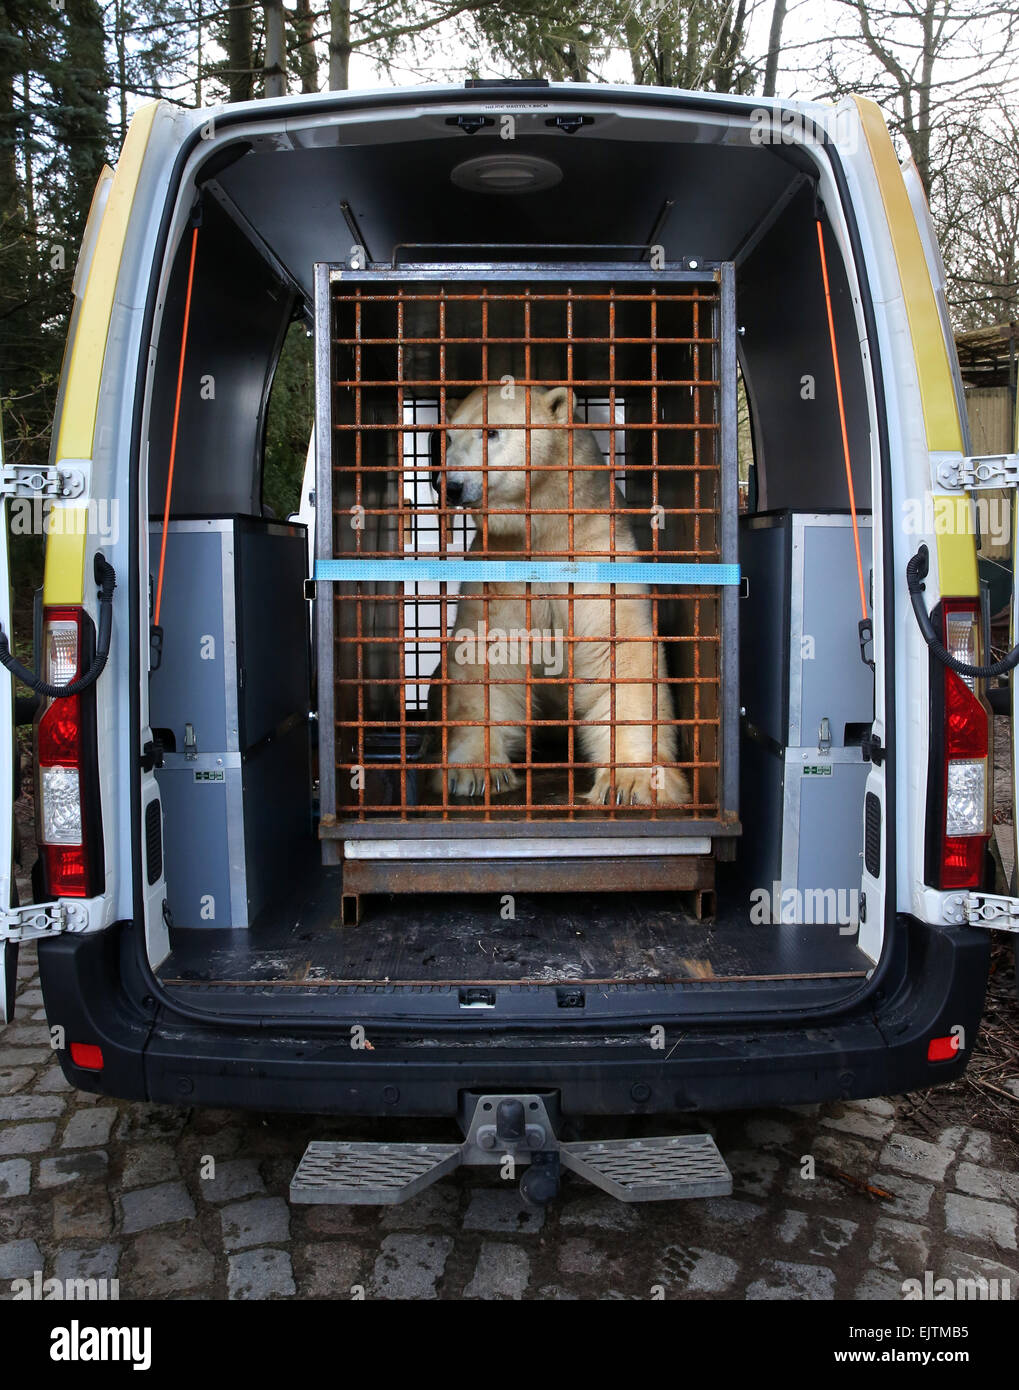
(697, 44)
(54, 141)
(291, 417)
(557, 39)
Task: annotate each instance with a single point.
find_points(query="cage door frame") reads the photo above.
(326, 276)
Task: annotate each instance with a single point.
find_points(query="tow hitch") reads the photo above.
(510, 1132)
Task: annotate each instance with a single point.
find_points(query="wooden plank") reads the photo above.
(608, 875)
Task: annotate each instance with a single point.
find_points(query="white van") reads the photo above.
(326, 837)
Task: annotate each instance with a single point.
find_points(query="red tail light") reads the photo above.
(942, 1049)
(965, 827)
(87, 1055)
(60, 756)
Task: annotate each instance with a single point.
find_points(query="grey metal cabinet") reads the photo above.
(807, 699)
(229, 702)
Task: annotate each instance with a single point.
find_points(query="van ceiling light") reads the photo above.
(506, 173)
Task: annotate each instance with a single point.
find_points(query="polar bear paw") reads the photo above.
(472, 781)
(639, 786)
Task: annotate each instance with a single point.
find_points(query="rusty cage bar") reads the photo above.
(545, 726)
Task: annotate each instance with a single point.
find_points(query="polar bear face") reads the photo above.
(496, 437)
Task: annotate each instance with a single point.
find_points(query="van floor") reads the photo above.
(615, 938)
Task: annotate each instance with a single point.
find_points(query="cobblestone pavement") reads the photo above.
(95, 1188)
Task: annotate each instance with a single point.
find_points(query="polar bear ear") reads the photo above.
(560, 402)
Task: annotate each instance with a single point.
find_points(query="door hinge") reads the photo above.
(872, 749)
(152, 755)
(991, 910)
(36, 920)
(953, 472)
(41, 480)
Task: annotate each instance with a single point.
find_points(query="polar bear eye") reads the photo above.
(492, 434)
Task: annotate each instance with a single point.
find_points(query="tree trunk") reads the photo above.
(239, 56)
(198, 58)
(575, 58)
(634, 43)
(275, 49)
(121, 44)
(921, 143)
(27, 149)
(307, 60)
(774, 48)
(339, 45)
(81, 129)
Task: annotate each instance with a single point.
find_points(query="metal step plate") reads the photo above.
(652, 1170)
(370, 1174)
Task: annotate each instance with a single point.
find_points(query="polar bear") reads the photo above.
(615, 698)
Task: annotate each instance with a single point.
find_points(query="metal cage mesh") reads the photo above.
(544, 700)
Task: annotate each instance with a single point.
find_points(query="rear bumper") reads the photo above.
(91, 988)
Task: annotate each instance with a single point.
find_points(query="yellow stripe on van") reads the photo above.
(957, 558)
(65, 547)
(937, 389)
(956, 539)
(954, 531)
(64, 575)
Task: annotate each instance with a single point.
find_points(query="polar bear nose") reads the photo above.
(454, 490)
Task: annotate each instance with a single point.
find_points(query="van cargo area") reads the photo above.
(666, 808)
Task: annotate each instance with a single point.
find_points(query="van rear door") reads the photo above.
(86, 340)
(8, 946)
(1013, 681)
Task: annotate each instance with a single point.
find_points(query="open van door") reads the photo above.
(961, 473)
(1013, 886)
(8, 933)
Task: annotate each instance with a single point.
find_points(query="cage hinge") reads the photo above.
(954, 472)
(991, 910)
(41, 480)
(37, 920)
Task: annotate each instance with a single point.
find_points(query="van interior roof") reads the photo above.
(277, 202)
(613, 192)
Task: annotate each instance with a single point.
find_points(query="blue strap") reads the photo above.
(527, 571)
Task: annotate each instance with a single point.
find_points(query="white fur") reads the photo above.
(612, 703)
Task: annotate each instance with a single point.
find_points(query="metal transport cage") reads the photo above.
(527, 498)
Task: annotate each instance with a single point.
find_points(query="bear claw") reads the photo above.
(637, 791)
(466, 782)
